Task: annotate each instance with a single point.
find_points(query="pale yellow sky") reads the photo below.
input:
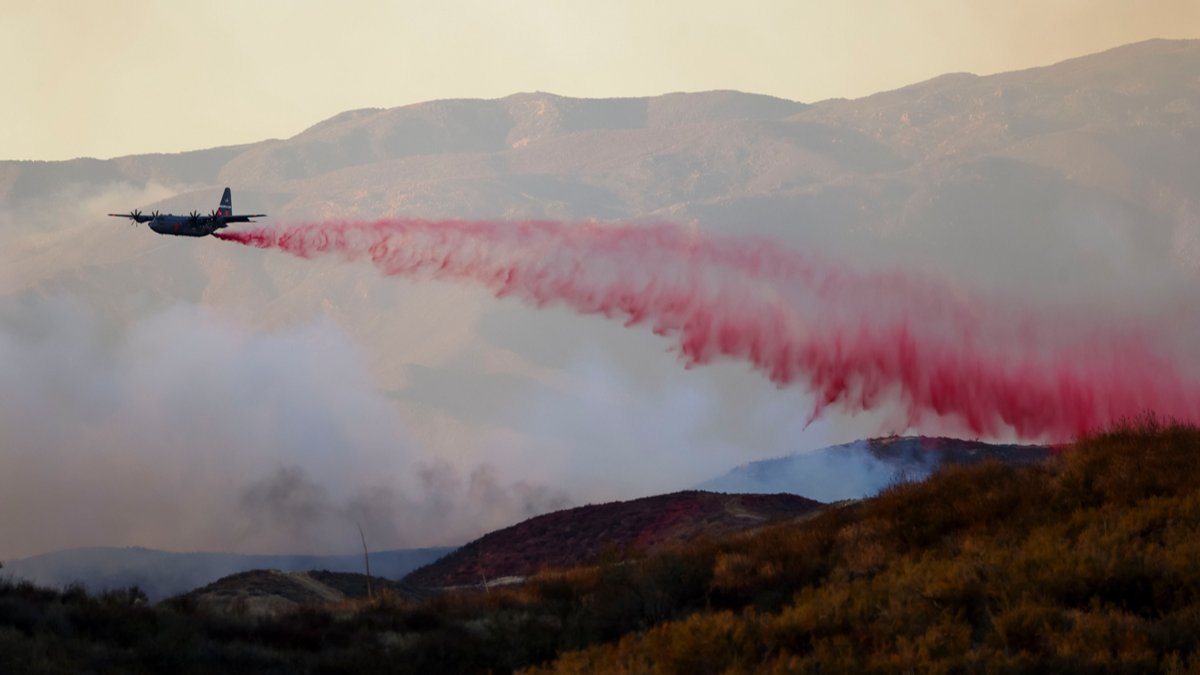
(103, 79)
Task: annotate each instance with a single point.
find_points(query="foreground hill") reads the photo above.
(261, 592)
(580, 535)
(160, 574)
(863, 468)
(1084, 562)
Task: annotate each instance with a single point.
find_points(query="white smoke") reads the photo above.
(187, 432)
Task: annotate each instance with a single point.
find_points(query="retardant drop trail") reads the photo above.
(854, 339)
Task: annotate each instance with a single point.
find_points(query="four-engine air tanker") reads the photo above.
(194, 224)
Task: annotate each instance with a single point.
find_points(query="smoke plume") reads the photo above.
(186, 431)
(856, 340)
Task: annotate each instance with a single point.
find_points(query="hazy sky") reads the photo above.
(132, 76)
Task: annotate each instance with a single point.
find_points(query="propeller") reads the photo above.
(154, 214)
(194, 217)
(134, 216)
(214, 215)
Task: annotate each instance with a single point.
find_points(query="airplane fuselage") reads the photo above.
(186, 226)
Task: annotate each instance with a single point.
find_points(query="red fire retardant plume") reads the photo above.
(855, 340)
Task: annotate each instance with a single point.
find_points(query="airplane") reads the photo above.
(194, 224)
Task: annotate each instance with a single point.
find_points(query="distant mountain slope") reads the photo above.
(164, 573)
(29, 184)
(862, 468)
(579, 535)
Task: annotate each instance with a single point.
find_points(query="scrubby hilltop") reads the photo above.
(270, 591)
(580, 535)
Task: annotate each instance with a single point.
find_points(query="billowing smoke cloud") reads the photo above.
(857, 340)
(292, 506)
(187, 432)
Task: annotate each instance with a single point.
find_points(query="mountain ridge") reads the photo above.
(1113, 59)
(866, 466)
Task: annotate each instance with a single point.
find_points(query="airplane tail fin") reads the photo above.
(226, 208)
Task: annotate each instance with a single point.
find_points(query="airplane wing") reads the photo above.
(136, 216)
(243, 218)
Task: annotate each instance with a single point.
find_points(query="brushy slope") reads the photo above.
(1088, 562)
